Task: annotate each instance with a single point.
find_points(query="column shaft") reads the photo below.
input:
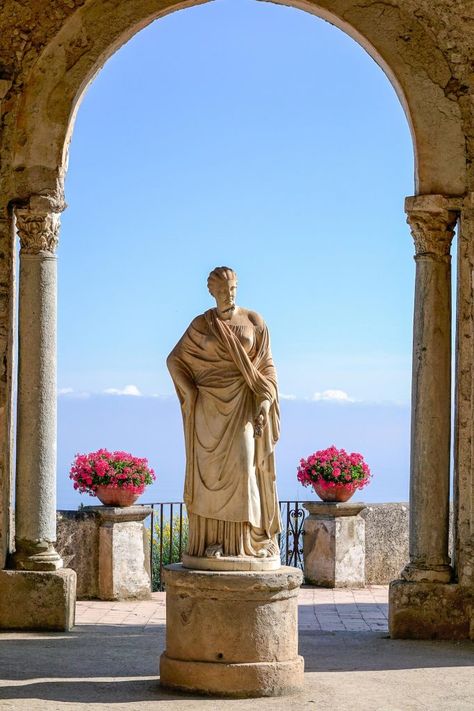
(432, 228)
(35, 517)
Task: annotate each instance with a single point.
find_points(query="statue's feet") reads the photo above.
(214, 551)
(269, 550)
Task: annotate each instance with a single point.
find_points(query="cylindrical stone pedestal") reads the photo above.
(124, 571)
(232, 633)
(334, 544)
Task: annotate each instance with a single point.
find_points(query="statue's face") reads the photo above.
(225, 295)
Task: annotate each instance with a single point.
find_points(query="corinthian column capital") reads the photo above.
(432, 219)
(38, 225)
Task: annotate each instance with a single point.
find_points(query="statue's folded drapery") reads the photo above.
(230, 489)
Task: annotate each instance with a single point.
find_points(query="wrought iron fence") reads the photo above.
(168, 536)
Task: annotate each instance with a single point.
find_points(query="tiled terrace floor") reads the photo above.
(319, 609)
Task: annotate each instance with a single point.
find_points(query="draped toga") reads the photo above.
(222, 372)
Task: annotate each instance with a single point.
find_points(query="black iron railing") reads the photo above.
(168, 535)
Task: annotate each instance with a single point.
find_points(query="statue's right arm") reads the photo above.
(182, 378)
(180, 372)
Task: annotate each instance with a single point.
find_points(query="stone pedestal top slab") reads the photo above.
(329, 509)
(286, 580)
(221, 563)
(117, 514)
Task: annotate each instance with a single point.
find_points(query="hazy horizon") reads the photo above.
(152, 427)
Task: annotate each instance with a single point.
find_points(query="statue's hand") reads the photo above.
(258, 425)
(261, 419)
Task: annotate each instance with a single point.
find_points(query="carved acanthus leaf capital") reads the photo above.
(38, 230)
(432, 232)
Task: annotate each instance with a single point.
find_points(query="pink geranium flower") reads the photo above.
(112, 469)
(334, 467)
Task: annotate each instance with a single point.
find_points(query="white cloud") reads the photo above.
(71, 393)
(332, 396)
(127, 390)
(287, 397)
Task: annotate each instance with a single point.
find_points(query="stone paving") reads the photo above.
(110, 661)
(319, 609)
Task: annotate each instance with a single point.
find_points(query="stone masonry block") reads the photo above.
(32, 600)
(429, 610)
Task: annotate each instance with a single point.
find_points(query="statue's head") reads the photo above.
(222, 284)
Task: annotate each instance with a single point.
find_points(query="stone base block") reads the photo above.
(33, 600)
(232, 633)
(124, 571)
(429, 611)
(334, 544)
(234, 680)
(231, 563)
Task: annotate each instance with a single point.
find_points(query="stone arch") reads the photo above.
(408, 55)
(57, 62)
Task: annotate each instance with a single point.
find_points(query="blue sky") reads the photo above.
(261, 137)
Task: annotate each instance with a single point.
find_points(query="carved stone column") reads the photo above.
(432, 225)
(35, 518)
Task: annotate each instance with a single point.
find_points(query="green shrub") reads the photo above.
(170, 550)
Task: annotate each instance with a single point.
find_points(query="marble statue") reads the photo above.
(224, 376)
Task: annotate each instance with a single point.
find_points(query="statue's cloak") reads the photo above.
(230, 474)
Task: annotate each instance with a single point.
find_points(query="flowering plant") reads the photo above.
(334, 467)
(115, 470)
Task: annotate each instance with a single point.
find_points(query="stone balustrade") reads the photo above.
(384, 546)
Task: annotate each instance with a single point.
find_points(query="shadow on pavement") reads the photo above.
(111, 664)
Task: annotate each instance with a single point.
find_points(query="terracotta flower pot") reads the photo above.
(116, 497)
(334, 493)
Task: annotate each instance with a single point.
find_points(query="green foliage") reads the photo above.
(171, 548)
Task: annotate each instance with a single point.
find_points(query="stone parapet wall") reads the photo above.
(386, 541)
(78, 545)
(386, 545)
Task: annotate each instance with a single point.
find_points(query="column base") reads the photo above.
(36, 555)
(232, 634)
(233, 680)
(414, 573)
(421, 610)
(32, 600)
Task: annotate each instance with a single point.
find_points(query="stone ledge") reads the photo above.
(429, 611)
(33, 600)
(117, 514)
(233, 680)
(332, 509)
(285, 581)
(231, 563)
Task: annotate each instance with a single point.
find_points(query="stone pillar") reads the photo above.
(432, 225)
(334, 544)
(232, 633)
(425, 604)
(124, 570)
(464, 404)
(7, 318)
(35, 518)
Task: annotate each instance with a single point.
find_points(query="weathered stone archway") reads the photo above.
(47, 61)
